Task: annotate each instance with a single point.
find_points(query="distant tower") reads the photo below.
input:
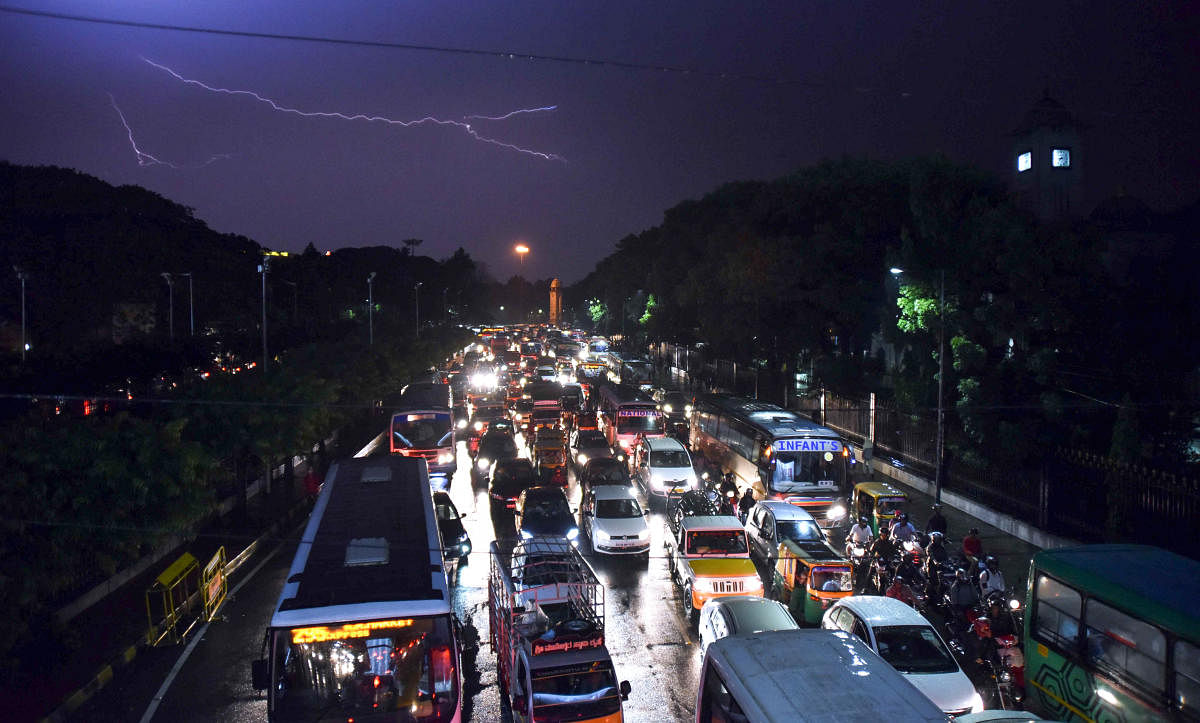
(1047, 161)
(555, 302)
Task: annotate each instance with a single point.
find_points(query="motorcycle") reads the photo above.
(859, 565)
(882, 572)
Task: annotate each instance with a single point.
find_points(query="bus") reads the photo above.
(774, 452)
(363, 628)
(625, 412)
(1112, 632)
(422, 426)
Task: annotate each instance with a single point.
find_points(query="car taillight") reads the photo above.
(442, 663)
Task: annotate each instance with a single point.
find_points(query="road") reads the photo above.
(209, 680)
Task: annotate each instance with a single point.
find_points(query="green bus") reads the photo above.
(1112, 633)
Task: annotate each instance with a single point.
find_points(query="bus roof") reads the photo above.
(424, 395)
(371, 548)
(1155, 584)
(815, 675)
(625, 394)
(769, 418)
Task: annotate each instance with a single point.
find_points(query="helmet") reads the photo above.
(973, 531)
(864, 521)
(991, 561)
(961, 574)
(883, 531)
(935, 536)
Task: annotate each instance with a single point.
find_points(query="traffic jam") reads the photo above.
(602, 533)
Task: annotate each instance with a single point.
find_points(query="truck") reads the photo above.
(708, 557)
(546, 626)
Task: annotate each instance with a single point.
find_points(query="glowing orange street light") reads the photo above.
(521, 250)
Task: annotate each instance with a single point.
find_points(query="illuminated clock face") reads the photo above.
(1024, 161)
(1060, 158)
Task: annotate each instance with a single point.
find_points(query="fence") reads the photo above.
(1069, 492)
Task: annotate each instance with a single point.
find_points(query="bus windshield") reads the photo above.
(795, 471)
(583, 692)
(424, 430)
(404, 668)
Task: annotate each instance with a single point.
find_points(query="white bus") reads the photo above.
(776, 453)
(363, 627)
(626, 412)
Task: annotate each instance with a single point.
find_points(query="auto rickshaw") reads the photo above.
(878, 502)
(809, 577)
(551, 462)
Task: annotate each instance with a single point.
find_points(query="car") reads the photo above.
(510, 477)
(725, 616)
(614, 522)
(456, 544)
(770, 522)
(543, 511)
(588, 445)
(604, 471)
(708, 557)
(494, 446)
(907, 641)
(676, 407)
(662, 464)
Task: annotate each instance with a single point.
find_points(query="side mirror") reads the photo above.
(260, 674)
(625, 688)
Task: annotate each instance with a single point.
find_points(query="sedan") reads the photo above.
(615, 522)
(589, 445)
(722, 617)
(910, 645)
(543, 512)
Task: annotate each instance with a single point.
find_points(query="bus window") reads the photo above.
(717, 704)
(1125, 645)
(1187, 677)
(1057, 613)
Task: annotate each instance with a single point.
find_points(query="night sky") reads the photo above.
(879, 79)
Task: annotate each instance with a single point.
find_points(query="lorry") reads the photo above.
(546, 626)
(708, 557)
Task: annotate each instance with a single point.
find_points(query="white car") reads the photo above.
(662, 464)
(724, 616)
(910, 645)
(614, 521)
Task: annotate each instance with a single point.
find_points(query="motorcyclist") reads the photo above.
(745, 504)
(991, 579)
(972, 546)
(963, 594)
(903, 530)
(937, 522)
(859, 533)
(935, 551)
(900, 590)
(884, 546)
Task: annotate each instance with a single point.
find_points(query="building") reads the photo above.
(1048, 161)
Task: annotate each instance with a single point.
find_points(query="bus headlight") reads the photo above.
(836, 512)
(581, 458)
(461, 424)
(445, 457)
(667, 408)
(687, 409)
(478, 426)
(482, 463)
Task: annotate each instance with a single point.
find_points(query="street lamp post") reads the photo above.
(170, 293)
(417, 307)
(262, 269)
(371, 309)
(939, 474)
(23, 276)
(191, 307)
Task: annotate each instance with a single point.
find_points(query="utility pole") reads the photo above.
(262, 269)
(371, 309)
(23, 276)
(191, 307)
(940, 473)
(417, 307)
(170, 293)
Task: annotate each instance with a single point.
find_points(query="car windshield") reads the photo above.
(546, 506)
(513, 473)
(583, 692)
(605, 472)
(670, 458)
(618, 508)
(717, 542)
(799, 530)
(592, 439)
(497, 446)
(914, 649)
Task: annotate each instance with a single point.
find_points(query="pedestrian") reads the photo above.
(936, 523)
(312, 484)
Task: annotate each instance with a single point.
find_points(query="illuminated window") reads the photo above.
(1024, 161)
(1060, 158)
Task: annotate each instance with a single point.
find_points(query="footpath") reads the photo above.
(110, 632)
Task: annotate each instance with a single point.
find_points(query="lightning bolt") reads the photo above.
(145, 159)
(427, 120)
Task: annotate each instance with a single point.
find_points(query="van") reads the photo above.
(804, 675)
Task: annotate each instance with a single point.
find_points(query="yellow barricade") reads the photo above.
(173, 591)
(214, 584)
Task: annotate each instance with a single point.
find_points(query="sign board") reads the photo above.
(807, 445)
(563, 644)
(638, 413)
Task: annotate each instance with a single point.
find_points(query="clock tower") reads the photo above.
(1047, 161)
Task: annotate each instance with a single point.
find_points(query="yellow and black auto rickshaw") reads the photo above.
(878, 502)
(809, 577)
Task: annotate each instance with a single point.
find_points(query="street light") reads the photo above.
(170, 293)
(371, 309)
(23, 276)
(262, 269)
(417, 306)
(521, 250)
(939, 453)
(191, 307)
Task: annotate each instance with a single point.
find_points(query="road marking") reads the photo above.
(187, 652)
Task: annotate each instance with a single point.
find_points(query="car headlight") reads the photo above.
(620, 458)
(478, 426)
(976, 703)
(836, 512)
(754, 582)
(667, 408)
(601, 535)
(1014, 604)
(694, 481)
(482, 463)
(644, 534)
(581, 458)
(572, 533)
(445, 457)
(687, 409)
(461, 424)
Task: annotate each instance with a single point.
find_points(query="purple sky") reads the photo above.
(880, 79)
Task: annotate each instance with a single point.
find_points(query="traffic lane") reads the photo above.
(646, 633)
